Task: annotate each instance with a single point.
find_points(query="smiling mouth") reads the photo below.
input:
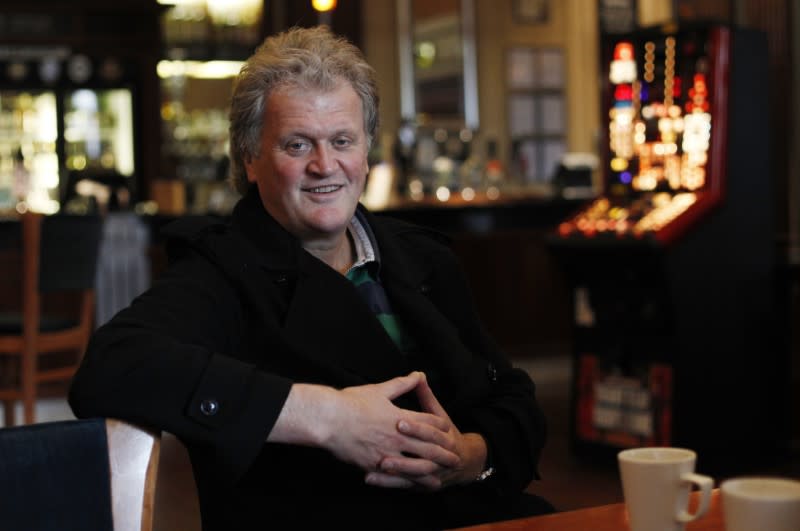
(324, 189)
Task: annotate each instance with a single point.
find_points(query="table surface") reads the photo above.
(602, 518)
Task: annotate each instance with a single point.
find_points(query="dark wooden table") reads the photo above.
(602, 518)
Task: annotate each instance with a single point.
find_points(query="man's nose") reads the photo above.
(323, 162)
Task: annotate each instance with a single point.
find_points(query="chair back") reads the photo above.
(59, 253)
(82, 475)
(69, 252)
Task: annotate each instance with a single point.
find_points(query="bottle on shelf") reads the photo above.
(404, 148)
(494, 170)
(471, 167)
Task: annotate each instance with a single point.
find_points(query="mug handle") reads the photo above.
(705, 483)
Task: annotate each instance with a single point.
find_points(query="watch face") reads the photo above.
(79, 68)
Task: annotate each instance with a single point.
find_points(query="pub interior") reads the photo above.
(619, 178)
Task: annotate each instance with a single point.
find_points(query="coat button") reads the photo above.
(425, 288)
(491, 372)
(209, 407)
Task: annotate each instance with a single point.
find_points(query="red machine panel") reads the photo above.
(666, 108)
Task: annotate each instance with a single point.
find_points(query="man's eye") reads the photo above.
(296, 146)
(342, 142)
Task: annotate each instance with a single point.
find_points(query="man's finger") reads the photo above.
(401, 385)
(378, 479)
(428, 400)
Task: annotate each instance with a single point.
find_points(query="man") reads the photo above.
(321, 365)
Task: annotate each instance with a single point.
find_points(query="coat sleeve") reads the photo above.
(160, 363)
(508, 415)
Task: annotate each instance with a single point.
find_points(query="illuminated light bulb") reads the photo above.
(619, 164)
(622, 71)
(644, 182)
(426, 50)
(565, 229)
(623, 51)
(623, 93)
(323, 5)
(468, 194)
(624, 116)
(234, 12)
(700, 79)
(492, 192)
(442, 193)
(661, 199)
(677, 85)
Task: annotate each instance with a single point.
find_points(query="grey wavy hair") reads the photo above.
(305, 58)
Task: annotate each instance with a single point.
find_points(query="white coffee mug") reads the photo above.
(760, 504)
(656, 483)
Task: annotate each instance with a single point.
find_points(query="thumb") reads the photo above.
(400, 385)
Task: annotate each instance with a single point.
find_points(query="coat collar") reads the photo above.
(280, 250)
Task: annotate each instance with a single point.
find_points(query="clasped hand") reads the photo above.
(399, 448)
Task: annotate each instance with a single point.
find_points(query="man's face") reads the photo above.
(313, 162)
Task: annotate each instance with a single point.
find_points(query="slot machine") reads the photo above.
(671, 266)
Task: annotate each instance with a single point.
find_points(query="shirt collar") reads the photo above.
(364, 241)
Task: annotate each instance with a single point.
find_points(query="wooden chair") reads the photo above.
(81, 475)
(177, 507)
(59, 258)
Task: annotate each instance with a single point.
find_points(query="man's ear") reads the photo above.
(250, 170)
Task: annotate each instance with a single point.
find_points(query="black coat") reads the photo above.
(210, 352)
